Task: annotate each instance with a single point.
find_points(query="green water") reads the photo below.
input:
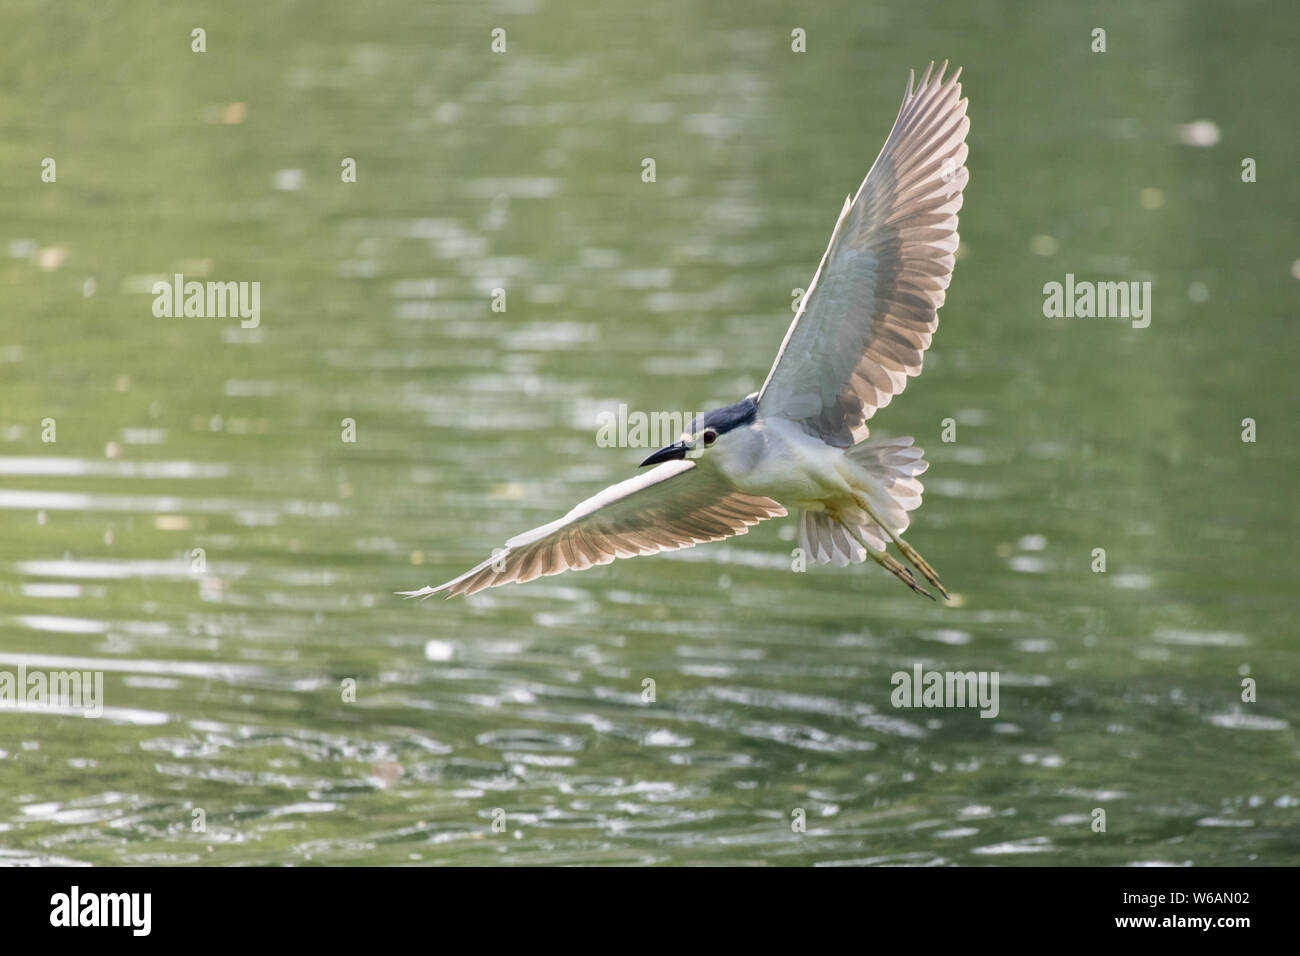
(1120, 691)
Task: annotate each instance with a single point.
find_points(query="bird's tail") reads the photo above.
(886, 475)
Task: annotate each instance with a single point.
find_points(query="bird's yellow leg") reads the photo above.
(890, 564)
(910, 553)
(915, 560)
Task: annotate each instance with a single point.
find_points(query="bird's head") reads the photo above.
(706, 432)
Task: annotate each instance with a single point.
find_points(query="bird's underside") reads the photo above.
(861, 331)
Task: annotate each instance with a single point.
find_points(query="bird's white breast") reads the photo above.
(777, 459)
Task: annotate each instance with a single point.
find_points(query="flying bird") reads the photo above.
(861, 331)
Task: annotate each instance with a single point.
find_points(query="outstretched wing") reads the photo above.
(866, 319)
(675, 505)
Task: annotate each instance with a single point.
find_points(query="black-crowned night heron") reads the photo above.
(861, 330)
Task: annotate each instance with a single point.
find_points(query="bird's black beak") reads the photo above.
(667, 453)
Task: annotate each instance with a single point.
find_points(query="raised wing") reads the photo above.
(866, 319)
(675, 505)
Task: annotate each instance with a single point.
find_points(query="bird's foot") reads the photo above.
(922, 565)
(903, 574)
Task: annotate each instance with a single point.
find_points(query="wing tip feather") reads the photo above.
(423, 593)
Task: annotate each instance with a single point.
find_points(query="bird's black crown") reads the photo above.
(723, 420)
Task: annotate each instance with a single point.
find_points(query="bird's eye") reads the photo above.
(710, 436)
